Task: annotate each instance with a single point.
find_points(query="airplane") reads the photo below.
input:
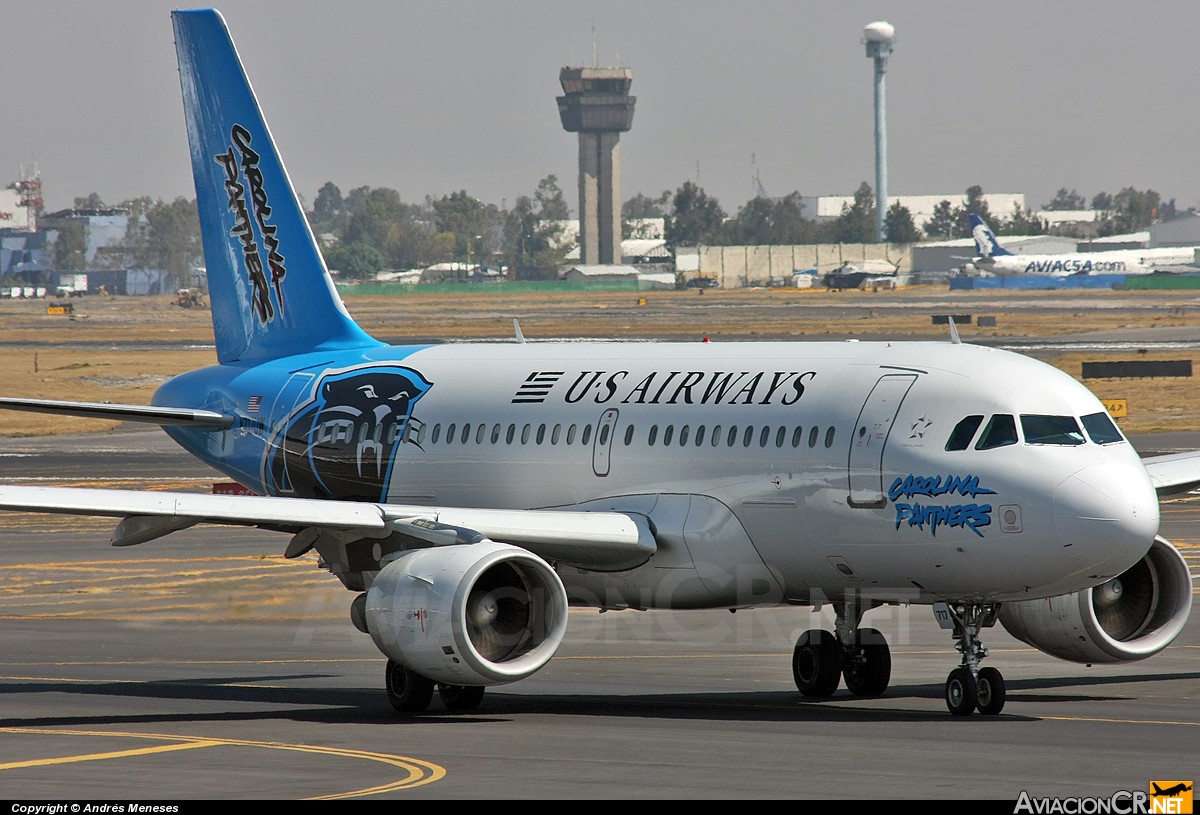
(1170, 791)
(469, 495)
(993, 258)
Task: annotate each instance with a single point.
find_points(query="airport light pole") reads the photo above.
(878, 37)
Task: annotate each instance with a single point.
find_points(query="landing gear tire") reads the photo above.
(867, 664)
(817, 663)
(461, 697)
(407, 691)
(989, 685)
(962, 694)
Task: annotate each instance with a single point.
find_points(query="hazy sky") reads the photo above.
(434, 97)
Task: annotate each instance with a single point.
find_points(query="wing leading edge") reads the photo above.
(1175, 474)
(588, 540)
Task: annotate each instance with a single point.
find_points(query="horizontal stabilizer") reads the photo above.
(126, 413)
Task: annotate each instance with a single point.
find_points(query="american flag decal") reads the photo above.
(536, 386)
(253, 405)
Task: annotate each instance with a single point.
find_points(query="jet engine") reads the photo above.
(469, 614)
(1133, 616)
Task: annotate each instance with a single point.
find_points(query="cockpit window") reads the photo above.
(1051, 430)
(1100, 428)
(1001, 431)
(964, 431)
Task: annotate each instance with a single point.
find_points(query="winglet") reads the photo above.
(269, 290)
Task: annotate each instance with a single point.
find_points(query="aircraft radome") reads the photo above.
(468, 494)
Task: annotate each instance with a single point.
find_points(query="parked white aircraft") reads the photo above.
(993, 258)
(469, 494)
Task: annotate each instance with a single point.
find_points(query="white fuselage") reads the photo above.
(781, 460)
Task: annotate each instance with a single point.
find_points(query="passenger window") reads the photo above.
(683, 435)
(829, 436)
(653, 435)
(1001, 431)
(466, 433)
(963, 432)
(512, 431)
(525, 433)
(603, 439)
(732, 436)
(748, 436)
(1100, 428)
(716, 436)
(479, 433)
(541, 434)
(421, 435)
(668, 434)
(1062, 430)
(780, 435)
(812, 436)
(764, 436)
(450, 433)
(587, 434)
(437, 431)
(571, 435)
(556, 434)
(700, 435)
(629, 435)
(495, 433)
(797, 436)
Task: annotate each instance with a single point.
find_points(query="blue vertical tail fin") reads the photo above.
(270, 293)
(986, 245)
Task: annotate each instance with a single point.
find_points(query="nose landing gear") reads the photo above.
(969, 687)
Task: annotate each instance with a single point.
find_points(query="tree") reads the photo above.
(70, 248)
(91, 201)
(471, 224)
(533, 243)
(856, 224)
(695, 217)
(941, 223)
(328, 213)
(1064, 200)
(1021, 222)
(640, 208)
(975, 204)
(355, 260)
(898, 225)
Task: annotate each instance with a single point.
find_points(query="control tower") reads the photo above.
(596, 104)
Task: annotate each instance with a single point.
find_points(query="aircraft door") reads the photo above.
(602, 445)
(865, 466)
(295, 390)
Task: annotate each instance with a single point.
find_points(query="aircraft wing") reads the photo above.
(126, 413)
(1174, 474)
(588, 540)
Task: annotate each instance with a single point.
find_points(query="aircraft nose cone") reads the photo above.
(1106, 516)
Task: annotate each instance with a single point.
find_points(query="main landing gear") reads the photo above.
(821, 660)
(409, 692)
(969, 687)
(860, 656)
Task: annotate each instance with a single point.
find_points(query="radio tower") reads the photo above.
(29, 192)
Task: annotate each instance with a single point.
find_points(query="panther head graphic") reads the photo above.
(342, 442)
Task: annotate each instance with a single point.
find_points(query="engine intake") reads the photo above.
(1133, 616)
(476, 614)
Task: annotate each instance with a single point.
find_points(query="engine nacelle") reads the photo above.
(1133, 616)
(471, 614)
